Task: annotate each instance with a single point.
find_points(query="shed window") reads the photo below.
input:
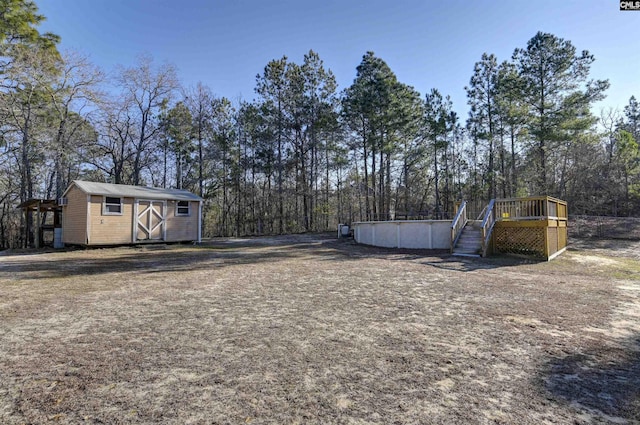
(112, 206)
(182, 208)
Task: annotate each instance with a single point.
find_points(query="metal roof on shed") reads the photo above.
(140, 192)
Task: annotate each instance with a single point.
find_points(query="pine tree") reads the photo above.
(558, 95)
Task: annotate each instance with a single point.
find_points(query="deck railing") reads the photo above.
(488, 221)
(534, 208)
(458, 223)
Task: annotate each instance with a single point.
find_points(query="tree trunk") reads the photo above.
(436, 178)
(514, 177)
(366, 175)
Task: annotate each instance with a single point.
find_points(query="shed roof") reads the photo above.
(140, 192)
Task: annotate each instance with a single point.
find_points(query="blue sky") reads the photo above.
(225, 43)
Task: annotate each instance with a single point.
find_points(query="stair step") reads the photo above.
(464, 254)
(471, 239)
(467, 248)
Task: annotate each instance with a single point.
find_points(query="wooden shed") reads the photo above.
(113, 214)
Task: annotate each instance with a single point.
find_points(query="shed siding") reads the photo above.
(110, 229)
(182, 228)
(74, 218)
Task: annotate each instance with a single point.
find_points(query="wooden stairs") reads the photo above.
(469, 243)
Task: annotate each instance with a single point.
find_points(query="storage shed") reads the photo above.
(112, 214)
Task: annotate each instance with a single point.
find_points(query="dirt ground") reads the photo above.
(312, 330)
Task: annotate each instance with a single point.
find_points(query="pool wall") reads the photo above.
(413, 234)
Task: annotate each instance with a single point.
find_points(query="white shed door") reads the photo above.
(150, 220)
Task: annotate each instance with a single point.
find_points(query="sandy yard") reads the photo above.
(312, 330)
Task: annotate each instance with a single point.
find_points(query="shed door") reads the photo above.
(151, 220)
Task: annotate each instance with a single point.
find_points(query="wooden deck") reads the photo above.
(535, 226)
(532, 226)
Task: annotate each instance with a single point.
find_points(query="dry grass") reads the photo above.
(308, 329)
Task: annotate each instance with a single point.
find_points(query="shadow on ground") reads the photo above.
(439, 258)
(147, 259)
(464, 264)
(220, 252)
(604, 381)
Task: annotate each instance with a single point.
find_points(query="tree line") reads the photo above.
(305, 155)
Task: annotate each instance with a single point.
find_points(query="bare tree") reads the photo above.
(145, 88)
(199, 100)
(74, 92)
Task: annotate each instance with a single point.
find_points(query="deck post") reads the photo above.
(37, 232)
(200, 222)
(547, 248)
(26, 228)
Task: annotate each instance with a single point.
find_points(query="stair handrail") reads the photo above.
(458, 223)
(481, 215)
(488, 222)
